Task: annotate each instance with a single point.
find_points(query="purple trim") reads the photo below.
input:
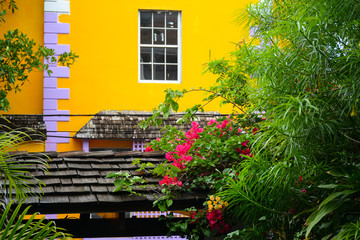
(51, 126)
(57, 117)
(122, 238)
(50, 104)
(50, 82)
(62, 72)
(51, 146)
(59, 93)
(51, 216)
(86, 145)
(50, 38)
(57, 28)
(58, 137)
(52, 93)
(50, 17)
(59, 49)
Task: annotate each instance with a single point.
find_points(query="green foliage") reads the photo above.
(20, 55)
(303, 179)
(14, 174)
(125, 181)
(13, 225)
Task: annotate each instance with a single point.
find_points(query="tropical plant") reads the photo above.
(14, 225)
(301, 72)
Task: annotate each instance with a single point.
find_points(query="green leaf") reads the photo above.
(328, 186)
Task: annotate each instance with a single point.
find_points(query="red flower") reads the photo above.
(300, 178)
(254, 131)
(149, 149)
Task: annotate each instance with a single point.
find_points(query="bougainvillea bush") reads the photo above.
(294, 172)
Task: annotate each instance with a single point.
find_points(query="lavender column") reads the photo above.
(52, 115)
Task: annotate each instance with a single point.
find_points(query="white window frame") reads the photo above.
(179, 47)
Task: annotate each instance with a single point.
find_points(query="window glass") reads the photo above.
(171, 55)
(159, 46)
(171, 37)
(145, 36)
(145, 72)
(159, 36)
(146, 19)
(145, 54)
(171, 72)
(171, 20)
(159, 72)
(159, 55)
(159, 19)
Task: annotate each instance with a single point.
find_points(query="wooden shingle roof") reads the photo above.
(32, 125)
(124, 125)
(77, 182)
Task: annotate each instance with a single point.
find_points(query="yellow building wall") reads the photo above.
(105, 36)
(29, 18)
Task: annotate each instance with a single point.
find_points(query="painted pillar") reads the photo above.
(52, 27)
(86, 145)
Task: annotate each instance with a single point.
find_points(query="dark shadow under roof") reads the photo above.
(124, 125)
(77, 182)
(32, 125)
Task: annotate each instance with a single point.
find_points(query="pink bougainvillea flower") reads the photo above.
(194, 124)
(211, 122)
(238, 150)
(158, 139)
(303, 190)
(230, 128)
(149, 149)
(300, 178)
(170, 181)
(224, 123)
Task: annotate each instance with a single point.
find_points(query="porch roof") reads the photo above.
(76, 182)
(124, 125)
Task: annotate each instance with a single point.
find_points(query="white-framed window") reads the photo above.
(159, 46)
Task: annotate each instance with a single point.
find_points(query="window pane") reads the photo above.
(145, 36)
(171, 55)
(145, 19)
(159, 72)
(171, 72)
(145, 54)
(171, 19)
(159, 36)
(145, 72)
(159, 19)
(171, 37)
(159, 55)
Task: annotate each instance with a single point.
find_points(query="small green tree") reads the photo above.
(19, 55)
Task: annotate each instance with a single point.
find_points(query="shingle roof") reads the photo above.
(124, 125)
(33, 125)
(77, 182)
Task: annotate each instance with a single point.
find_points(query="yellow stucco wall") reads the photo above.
(105, 35)
(29, 18)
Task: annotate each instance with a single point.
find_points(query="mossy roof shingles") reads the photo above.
(78, 183)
